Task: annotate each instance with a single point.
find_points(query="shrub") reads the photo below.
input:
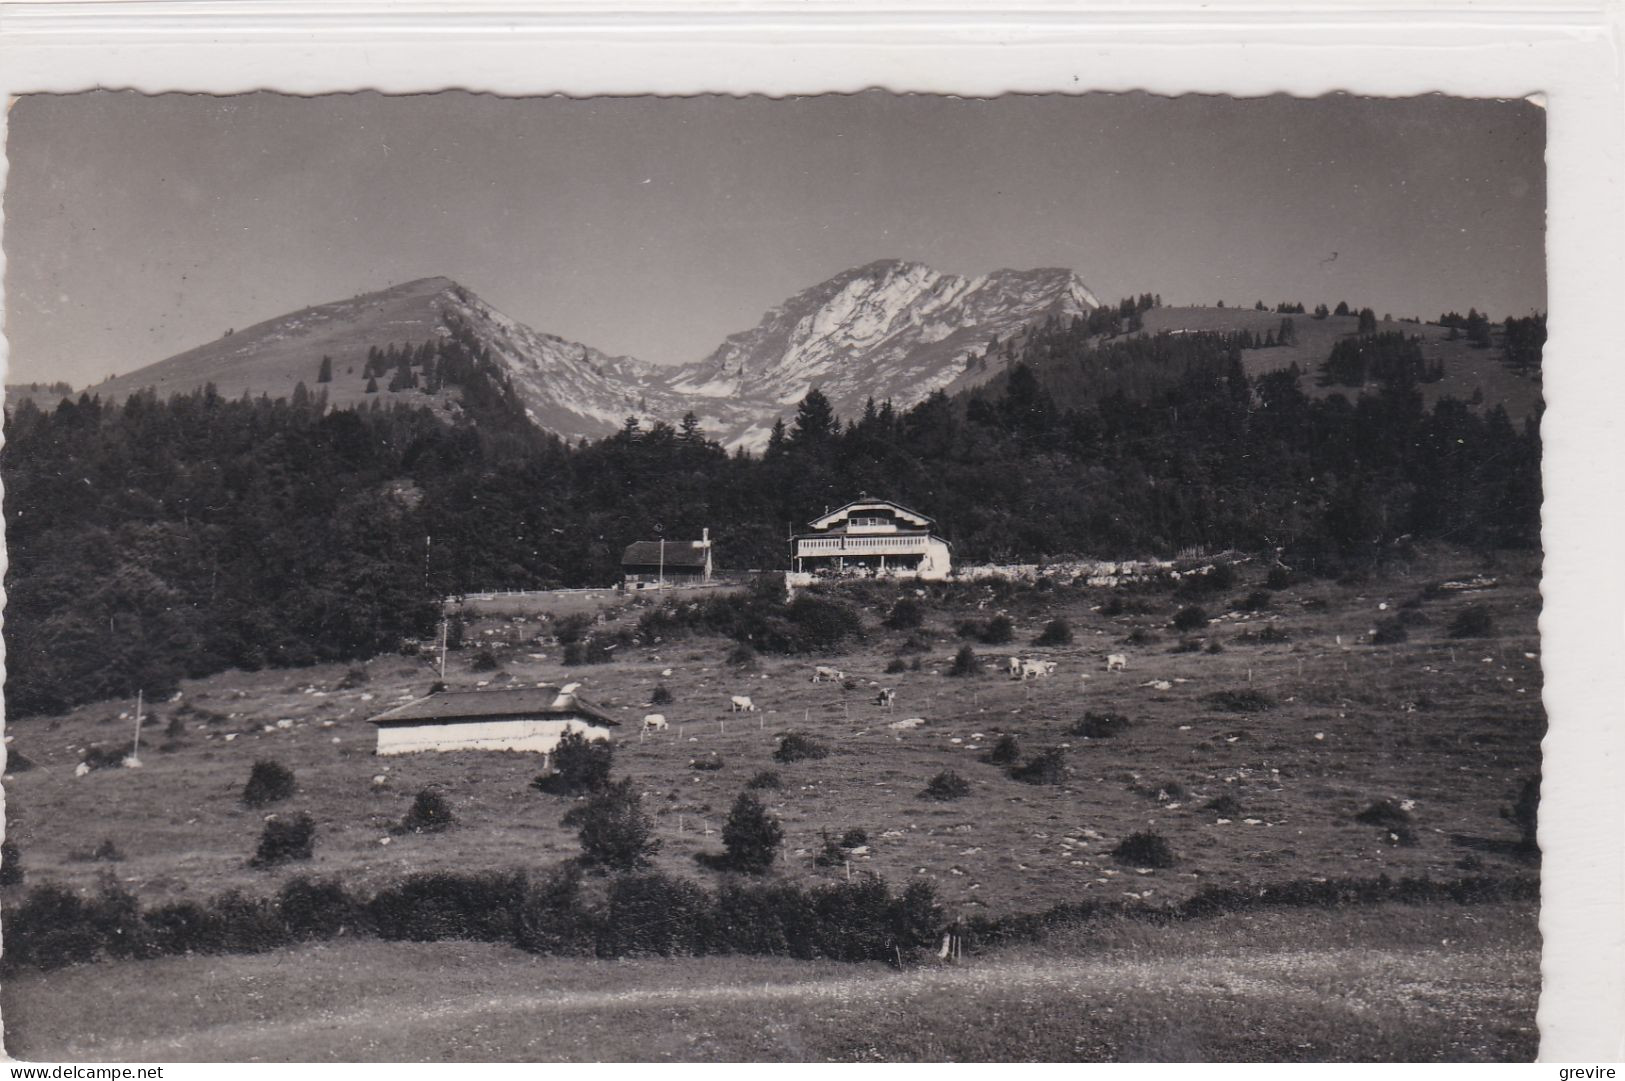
(1273, 633)
(1215, 646)
(1046, 767)
(896, 665)
(1278, 578)
(966, 663)
(905, 615)
(438, 905)
(946, 785)
(796, 747)
(1385, 813)
(998, 631)
(1057, 632)
(660, 696)
(751, 836)
(1474, 621)
(429, 813)
(579, 765)
(1100, 725)
(1187, 645)
(1217, 580)
(1144, 849)
(854, 838)
(313, 908)
(830, 853)
(613, 830)
(283, 839)
(1188, 619)
(655, 914)
(176, 728)
(1225, 805)
(484, 661)
(765, 779)
(356, 676)
(268, 782)
(743, 657)
(1256, 601)
(104, 757)
(1006, 751)
(1140, 636)
(1239, 701)
(11, 864)
(1390, 632)
(595, 649)
(552, 918)
(571, 628)
(706, 763)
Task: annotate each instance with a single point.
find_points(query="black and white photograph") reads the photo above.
(845, 577)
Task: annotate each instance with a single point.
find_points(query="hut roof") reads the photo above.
(453, 706)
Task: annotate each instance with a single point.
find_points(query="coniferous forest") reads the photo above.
(153, 540)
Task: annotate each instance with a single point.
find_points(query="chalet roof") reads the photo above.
(864, 502)
(516, 702)
(678, 554)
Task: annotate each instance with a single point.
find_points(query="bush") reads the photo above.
(1225, 805)
(998, 631)
(1057, 632)
(11, 864)
(830, 853)
(483, 661)
(1187, 645)
(742, 657)
(439, 905)
(655, 914)
(946, 785)
(356, 676)
(1188, 619)
(268, 782)
(1217, 580)
(765, 779)
(1385, 813)
(579, 765)
(1278, 578)
(966, 663)
(660, 696)
(104, 757)
(283, 839)
(1474, 621)
(429, 813)
(1273, 633)
(1046, 767)
(1256, 601)
(613, 830)
(751, 836)
(1215, 646)
(795, 747)
(1239, 701)
(1140, 636)
(706, 763)
(905, 615)
(1390, 632)
(855, 837)
(1006, 751)
(316, 908)
(552, 918)
(896, 665)
(1144, 849)
(1100, 725)
(595, 649)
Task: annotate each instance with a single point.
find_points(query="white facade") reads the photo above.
(537, 735)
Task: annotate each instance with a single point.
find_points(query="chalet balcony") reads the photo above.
(890, 545)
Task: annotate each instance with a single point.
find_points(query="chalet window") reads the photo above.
(868, 521)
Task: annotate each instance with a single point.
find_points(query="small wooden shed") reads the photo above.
(515, 719)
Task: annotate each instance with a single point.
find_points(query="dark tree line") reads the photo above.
(158, 539)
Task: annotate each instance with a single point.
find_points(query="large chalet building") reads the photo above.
(871, 537)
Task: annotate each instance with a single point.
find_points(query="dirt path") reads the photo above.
(660, 1017)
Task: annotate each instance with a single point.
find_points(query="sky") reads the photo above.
(137, 226)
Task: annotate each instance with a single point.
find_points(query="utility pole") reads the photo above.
(660, 529)
(135, 747)
(443, 623)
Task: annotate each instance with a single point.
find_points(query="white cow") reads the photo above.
(825, 674)
(1035, 669)
(1116, 663)
(741, 703)
(654, 722)
(1013, 666)
(886, 699)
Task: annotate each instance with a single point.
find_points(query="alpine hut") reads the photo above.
(518, 719)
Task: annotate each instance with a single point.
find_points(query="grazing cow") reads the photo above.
(1035, 669)
(654, 722)
(1014, 667)
(741, 703)
(1116, 663)
(825, 674)
(886, 698)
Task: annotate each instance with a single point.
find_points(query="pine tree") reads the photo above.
(372, 384)
(325, 374)
(816, 422)
(751, 835)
